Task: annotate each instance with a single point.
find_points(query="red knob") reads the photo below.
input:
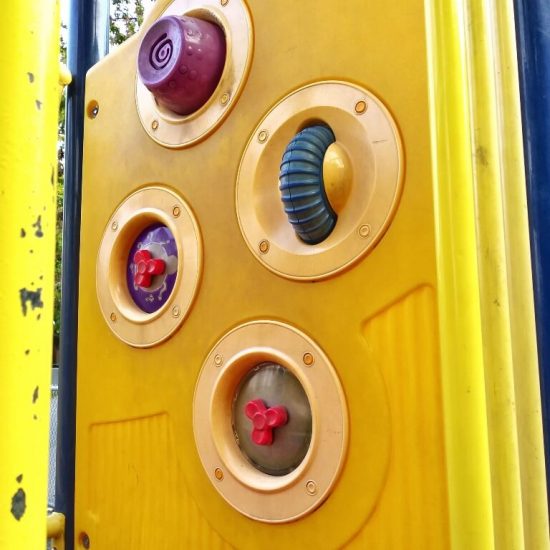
(264, 420)
(146, 267)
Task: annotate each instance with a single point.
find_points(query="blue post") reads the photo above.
(533, 39)
(88, 41)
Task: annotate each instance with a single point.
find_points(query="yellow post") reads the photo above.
(495, 457)
(29, 101)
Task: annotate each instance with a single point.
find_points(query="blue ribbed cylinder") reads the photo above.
(301, 184)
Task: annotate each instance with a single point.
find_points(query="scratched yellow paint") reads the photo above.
(29, 100)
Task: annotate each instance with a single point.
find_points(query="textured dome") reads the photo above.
(301, 184)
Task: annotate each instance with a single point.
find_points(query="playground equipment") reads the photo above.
(305, 305)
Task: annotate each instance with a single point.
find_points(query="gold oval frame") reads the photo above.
(366, 130)
(143, 207)
(271, 499)
(176, 131)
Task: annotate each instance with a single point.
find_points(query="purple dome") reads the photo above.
(181, 61)
(157, 244)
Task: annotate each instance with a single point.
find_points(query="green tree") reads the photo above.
(126, 18)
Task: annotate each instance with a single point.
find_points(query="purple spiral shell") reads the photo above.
(181, 61)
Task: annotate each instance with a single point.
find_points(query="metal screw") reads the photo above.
(113, 316)
(264, 246)
(364, 230)
(94, 111)
(114, 225)
(218, 360)
(176, 211)
(361, 107)
(85, 540)
(262, 136)
(218, 473)
(176, 311)
(308, 359)
(311, 487)
(225, 98)
(155, 124)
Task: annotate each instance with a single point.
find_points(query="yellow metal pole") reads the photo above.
(520, 282)
(493, 427)
(29, 101)
(460, 321)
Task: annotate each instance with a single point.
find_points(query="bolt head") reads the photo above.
(114, 225)
(218, 473)
(113, 317)
(176, 211)
(218, 360)
(361, 107)
(262, 136)
(176, 311)
(364, 230)
(264, 246)
(311, 487)
(224, 99)
(308, 359)
(155, 124)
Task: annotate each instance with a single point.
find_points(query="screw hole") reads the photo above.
(93, 109)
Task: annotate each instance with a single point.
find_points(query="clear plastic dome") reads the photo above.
(277, 398)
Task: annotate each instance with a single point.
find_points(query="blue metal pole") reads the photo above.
(88, 41)
(533, 39)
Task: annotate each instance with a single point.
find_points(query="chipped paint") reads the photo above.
(38, 225)
(18, 504)
(28, 163)
(34, 298)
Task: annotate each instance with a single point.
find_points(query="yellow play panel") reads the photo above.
(397, 403)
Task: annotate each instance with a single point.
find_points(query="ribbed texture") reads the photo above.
(301, 184)
(137, 494)
(403, 342)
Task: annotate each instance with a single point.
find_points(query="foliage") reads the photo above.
(126, 16)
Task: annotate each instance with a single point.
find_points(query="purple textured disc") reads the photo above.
(181, 60)
(158, 240)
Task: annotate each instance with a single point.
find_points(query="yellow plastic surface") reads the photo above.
(490, 371)
(406, 328)
(56, 530)
(29, 101)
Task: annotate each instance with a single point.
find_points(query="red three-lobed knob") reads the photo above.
(264, 420)
(146, 267)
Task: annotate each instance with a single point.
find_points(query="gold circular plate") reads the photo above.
(273, 499)
(371, 140)
(141, 209)
(176, 131)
